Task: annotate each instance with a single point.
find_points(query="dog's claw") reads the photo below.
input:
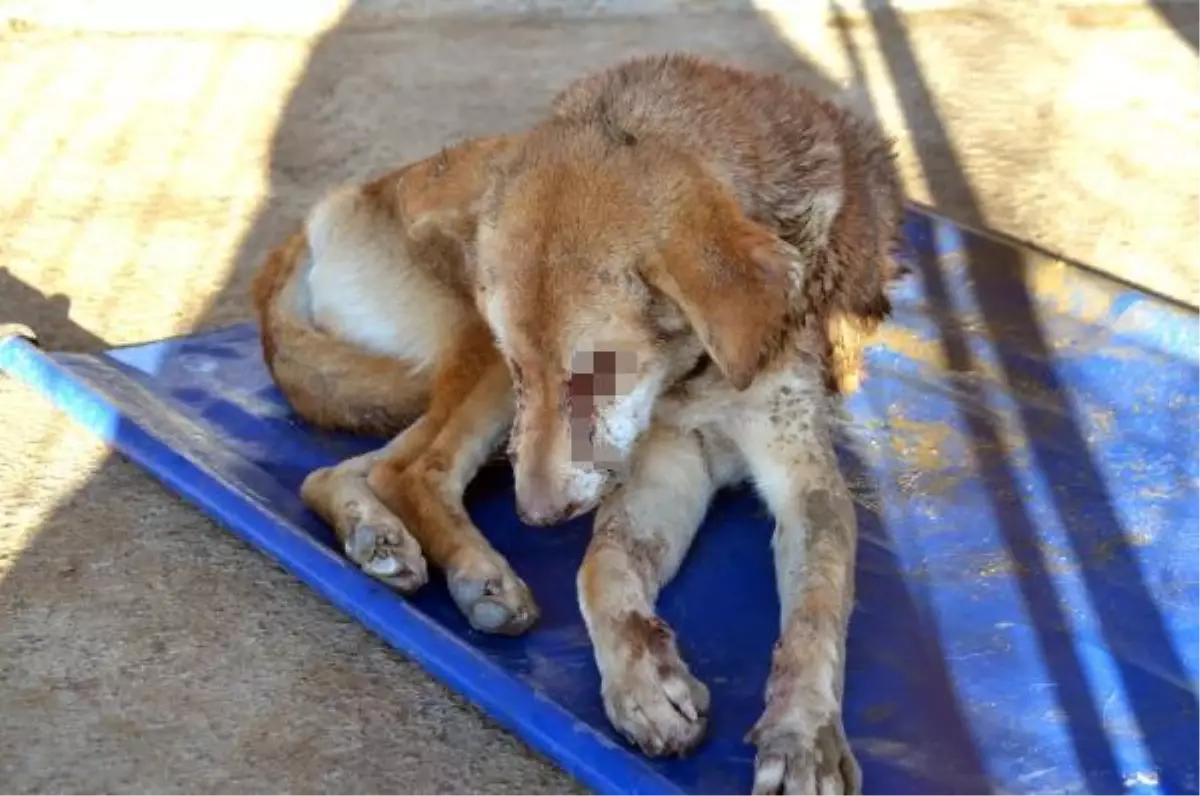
(657, 704)
(387, 554)
(791, 760)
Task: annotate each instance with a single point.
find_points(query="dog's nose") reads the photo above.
(539, 504)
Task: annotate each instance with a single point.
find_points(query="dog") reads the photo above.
(659, 290)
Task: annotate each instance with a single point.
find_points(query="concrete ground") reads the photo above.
(150, 153)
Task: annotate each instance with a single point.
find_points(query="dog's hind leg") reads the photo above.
(470, 413)
(371, 535)
(642, 533)
(802, 746)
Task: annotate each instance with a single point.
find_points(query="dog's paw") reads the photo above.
(793, 759)
(491, 596)
(383, 549)
(654, 701)
(371, 536)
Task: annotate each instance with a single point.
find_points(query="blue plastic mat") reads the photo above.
(1027, 582)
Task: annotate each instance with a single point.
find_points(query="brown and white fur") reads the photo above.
(723, 234)
(369, 326)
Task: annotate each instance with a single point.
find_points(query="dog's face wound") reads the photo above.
(606, 271)
(588, 361)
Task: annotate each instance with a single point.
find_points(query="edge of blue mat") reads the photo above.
(577, 748)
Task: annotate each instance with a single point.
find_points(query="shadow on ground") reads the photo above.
(50, 316)
(1183, 18)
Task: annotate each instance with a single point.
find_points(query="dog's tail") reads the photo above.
(329, 382)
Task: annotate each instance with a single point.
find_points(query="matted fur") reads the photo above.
(822, 178)
(765, 214)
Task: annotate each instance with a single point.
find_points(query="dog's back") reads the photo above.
(820, 177)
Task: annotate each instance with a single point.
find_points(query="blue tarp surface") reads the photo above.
(1026, 471)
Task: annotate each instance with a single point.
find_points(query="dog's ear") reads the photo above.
(729, 276)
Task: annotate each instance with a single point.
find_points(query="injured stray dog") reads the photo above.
(662, 287)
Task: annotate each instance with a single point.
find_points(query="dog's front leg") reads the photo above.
(802, 746)
(642, 532)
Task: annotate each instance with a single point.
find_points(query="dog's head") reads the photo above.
(606, 271)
